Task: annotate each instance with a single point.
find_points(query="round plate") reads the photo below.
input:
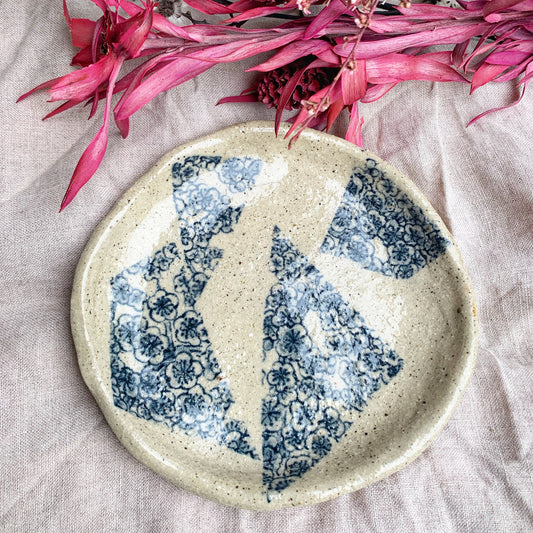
(269, 327)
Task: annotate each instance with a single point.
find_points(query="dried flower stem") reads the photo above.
(314, 108)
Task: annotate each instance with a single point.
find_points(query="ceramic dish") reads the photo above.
(269, 327)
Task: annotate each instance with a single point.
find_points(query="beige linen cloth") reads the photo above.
(61, 467)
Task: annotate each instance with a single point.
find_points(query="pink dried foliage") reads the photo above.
(347, 54)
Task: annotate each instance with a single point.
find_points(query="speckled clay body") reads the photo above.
(271, 328)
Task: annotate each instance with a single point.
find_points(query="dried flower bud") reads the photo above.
(271, 86)
(304, 5)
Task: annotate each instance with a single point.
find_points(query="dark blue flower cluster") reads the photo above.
(343, 361)
(379, 226)
(162, 363)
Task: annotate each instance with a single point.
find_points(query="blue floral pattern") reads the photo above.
(321, 362)
(378, 226)
(313, 380)
(162, 363)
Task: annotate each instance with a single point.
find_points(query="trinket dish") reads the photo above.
(269, 327)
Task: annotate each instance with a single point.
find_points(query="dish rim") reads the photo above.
(231, 498)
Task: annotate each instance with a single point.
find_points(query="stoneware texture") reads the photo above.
(269, 327)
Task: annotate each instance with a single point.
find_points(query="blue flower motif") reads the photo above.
(270, 413)
(190, 328)
(239, 173)
(126, 333)
(131, 382)
(183, 373)
(191, 167)
(285, 316)
(321, 445)
(199, 200)
(196, 285)
(194, 407)
(332, 423)
(298, 467)
(344, 219)
(400, 253)
(281, 377)
(124, 293)
(149, 383)
(304, 415)
(152, 345)
(163, 306)
(292, 439)
(291, 340)
(163, 407)
(161, 262)
(391, 233)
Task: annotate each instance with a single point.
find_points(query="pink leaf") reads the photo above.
(514, 72)
(353, 134)
(61, 108)
(458, 53)
(428, 12)
(135, 30)
(490, 9)
(472, 5)
(94, 153)
(331, 12)
(354, 83)
(509, 58)
(452, 35)
(399, 67)
(485, 73)
(292, 52)
(304, 114)
(237, 50)
(95, 43)
(377, 91)
(160, 23)
(333, 112)
(81, 30)
(210, 7)
(83, 58)
(240, 98)
(171, 75)
(81, 84)
(329, 57)
(131, 82)
(44, 85)
(263, 11)
(517, 101)
(287, 92)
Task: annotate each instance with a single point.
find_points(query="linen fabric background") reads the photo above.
(62, 468)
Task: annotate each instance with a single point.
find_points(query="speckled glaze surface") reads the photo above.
(269, 327)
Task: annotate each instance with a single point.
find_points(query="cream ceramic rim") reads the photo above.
(80, 310)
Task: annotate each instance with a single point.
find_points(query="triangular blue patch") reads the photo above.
(379, 227)
(162, 363)
(323, 361)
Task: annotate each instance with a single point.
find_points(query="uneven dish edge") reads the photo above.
(84, 349)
